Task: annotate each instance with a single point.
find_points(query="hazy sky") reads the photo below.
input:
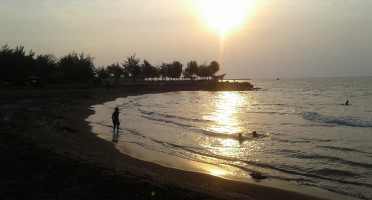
(277, 38)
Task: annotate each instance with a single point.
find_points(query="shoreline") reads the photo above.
(70, 137)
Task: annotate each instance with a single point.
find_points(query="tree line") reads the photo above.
(18, 68)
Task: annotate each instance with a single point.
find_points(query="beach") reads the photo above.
(50, 152)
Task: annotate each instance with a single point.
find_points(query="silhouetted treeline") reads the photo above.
(20, 68)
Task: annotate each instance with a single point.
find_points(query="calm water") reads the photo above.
(307, 138)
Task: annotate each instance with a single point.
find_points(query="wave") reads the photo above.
(322, 174)
(167, 121)
(171, 116)
(293, 141)
(302, 175)
(303, 178)
(303, 140)
(270, 112)
(345, 121)
(339, 191)
(341, 149)
(196, 129)
(335, 160)
(336, 173)
(325, 173)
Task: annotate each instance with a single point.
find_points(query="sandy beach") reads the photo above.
(49, 152)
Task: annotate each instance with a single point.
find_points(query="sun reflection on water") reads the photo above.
(226, 147)
(226, 122)
(224, 114)
(217, 172)
(227, 114)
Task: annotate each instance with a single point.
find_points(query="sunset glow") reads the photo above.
(225, 15)
(217, 172)
(224, 113)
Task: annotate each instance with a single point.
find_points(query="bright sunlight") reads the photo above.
(224, 113)
(224, 15)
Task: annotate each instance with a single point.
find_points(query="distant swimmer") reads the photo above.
(254, 134)
(347, 103)
(258, 175)
(240, 138)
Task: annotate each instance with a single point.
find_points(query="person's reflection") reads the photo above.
(115, 137)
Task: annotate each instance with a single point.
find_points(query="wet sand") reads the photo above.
(49, 152)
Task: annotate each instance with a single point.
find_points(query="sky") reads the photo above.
(250, 38)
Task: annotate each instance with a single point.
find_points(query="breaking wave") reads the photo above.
(344, 121)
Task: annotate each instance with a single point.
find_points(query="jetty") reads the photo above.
(216, 83)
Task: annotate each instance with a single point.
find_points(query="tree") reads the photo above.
(86, 68)
(163, 70)
(77, 68)
(47, 66)
(116, 71)
(204, 71)
(156, 72)
(16, 65)
(102, 73)
(186, 74)
(132, 67)
(174, 70)
(147, 69)
(191, 70)
(214, 67)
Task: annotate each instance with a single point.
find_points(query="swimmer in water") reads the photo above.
(240, 138)
(254, 134)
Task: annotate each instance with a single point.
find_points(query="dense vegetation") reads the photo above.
(20, 68)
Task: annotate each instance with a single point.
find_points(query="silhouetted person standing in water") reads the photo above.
(347, 103)
(254, 134)
(240, 138)
(115, 119)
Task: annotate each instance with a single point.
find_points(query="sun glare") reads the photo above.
(224, 113)
(224, 15)
(217, 172)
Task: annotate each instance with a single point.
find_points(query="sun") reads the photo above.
(225, 15)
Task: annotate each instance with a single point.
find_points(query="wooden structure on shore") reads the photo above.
(218, 78)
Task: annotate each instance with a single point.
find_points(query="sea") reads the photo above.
(307, 140)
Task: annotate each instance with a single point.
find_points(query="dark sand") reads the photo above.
(49, 152)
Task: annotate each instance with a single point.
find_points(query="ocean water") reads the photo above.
(307, 140)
